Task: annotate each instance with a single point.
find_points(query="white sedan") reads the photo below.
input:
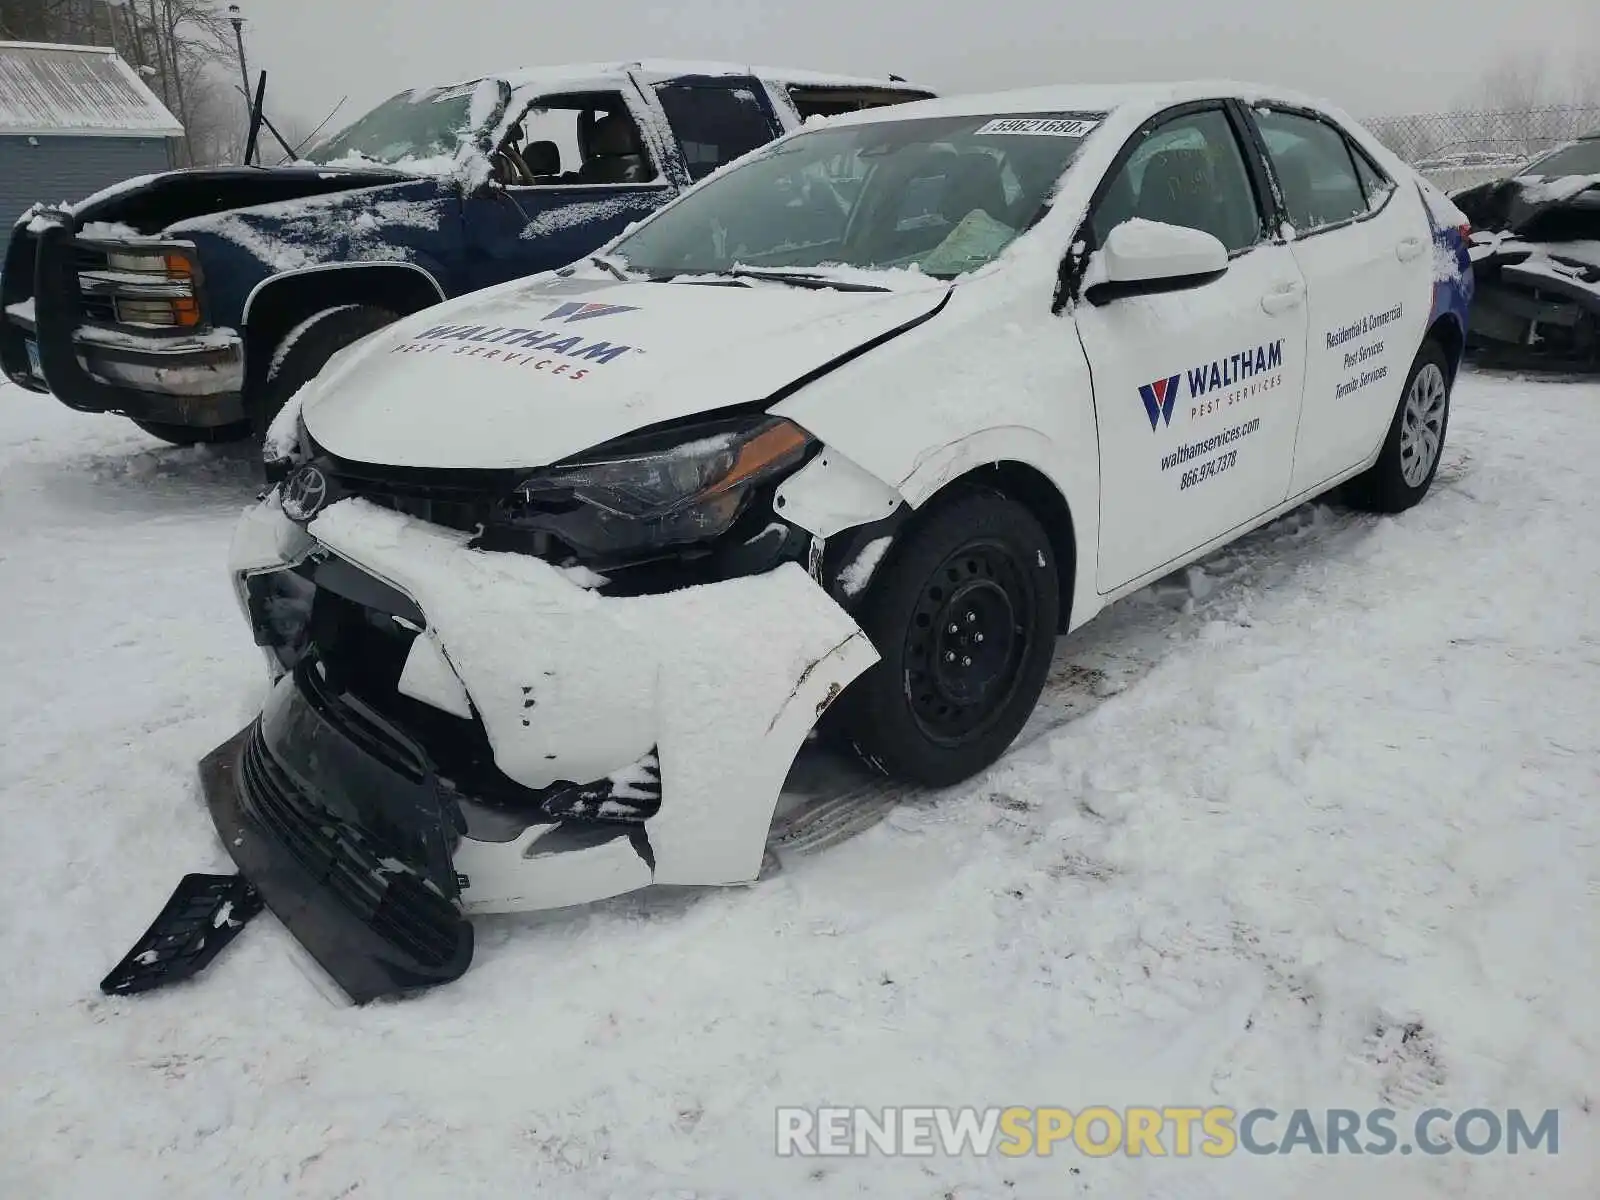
(557, 577)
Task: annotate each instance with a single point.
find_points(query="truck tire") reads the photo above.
(964, 615)
(306, 349)
(192, 435)
(1415, 443)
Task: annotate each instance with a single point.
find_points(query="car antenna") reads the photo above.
(310, 137)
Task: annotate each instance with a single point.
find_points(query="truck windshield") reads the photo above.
(1580, 158)
(942, 194)
(407, 127)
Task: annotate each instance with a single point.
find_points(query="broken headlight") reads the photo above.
(659, 491)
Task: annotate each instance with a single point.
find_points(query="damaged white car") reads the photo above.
(557, 578)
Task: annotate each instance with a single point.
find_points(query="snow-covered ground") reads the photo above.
(1325, 831)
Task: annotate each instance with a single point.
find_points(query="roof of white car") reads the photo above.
(1085, 98)
(580, 76)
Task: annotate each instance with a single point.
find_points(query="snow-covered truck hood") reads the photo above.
(534, 372)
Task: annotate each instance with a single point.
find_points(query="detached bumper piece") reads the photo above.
(343, 828)
(203, 916)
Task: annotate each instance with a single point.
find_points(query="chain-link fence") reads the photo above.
(1459, 149)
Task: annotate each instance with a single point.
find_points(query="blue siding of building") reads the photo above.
(65, 168)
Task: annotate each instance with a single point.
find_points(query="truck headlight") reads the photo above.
(658, 491)
(146, 287)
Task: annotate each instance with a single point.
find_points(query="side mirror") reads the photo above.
(1141, 258)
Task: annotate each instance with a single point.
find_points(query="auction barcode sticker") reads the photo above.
(1040, 126)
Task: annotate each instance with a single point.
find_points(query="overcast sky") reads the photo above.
(1371, 56)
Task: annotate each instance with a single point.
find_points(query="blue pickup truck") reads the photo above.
(197, 302)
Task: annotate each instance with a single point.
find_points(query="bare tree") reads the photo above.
(177, 45)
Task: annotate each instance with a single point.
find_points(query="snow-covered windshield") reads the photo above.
(1580, 158)
(942, 194)
(411, 126)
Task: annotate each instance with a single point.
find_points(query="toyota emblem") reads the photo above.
(305, 494)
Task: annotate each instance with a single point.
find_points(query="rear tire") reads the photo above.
(1411, 452)
(192, 435)
(314, 344)
(964, 616)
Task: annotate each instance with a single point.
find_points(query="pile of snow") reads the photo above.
(1323, 834)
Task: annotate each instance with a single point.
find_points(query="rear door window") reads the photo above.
(1377, 186)
(1315, 168)
(717, 119)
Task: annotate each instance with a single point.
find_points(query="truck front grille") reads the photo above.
(101, 309)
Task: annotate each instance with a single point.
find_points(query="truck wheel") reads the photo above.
(963, 614)
(306, 349)
(1411, 452)
(190, 435)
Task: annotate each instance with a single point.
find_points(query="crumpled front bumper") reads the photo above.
(718, 684)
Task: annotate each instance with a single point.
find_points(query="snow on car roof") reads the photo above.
(85, 91)
(581, 76)
(1088, 98)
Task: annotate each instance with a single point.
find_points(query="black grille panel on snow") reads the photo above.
(363, 731)
(395, 903)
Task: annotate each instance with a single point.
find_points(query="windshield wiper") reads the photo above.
(605, 264)
(803, 279)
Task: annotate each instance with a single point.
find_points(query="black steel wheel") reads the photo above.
(969, 635)
(964, 614)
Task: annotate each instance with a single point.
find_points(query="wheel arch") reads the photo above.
(1446, 330)
(277, 304)
(1031, 488)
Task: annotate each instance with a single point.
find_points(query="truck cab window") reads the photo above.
(574, 140)
(717, 121)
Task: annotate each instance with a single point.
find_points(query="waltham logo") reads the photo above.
(1161, 397)
(520, 347)
(576, 310)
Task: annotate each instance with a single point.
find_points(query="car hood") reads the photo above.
(1535, 208)
(532, 373)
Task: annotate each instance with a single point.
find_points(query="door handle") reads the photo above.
(1408, 248)
(1282, 298)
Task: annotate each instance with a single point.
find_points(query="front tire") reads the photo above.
(1410, 456)
(309, 348)
(964, 615)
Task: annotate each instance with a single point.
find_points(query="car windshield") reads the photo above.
(943, 194)
(1580, 158)
(413, 125)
